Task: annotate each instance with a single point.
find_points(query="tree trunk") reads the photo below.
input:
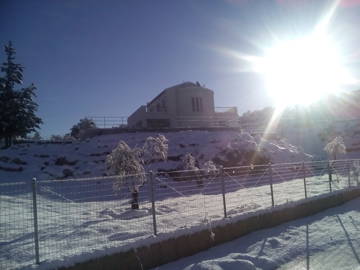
(7, 141)
(135, 199)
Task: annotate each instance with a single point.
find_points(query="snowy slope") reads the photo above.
(328, 240)
(86, 158)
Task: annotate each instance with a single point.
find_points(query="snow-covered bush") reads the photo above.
(189, 162)
(191, 170)
(125, 163)
(209, 167)
(128, 164)
(242, 150)
(155, 149)
(335, 147)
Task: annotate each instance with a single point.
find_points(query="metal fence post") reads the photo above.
(35, 216)
(330, 175)
(304, 175)
(271, 185)
(348, 171)
(223, 189)
(152, 176)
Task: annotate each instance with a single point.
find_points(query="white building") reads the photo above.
(182, 106)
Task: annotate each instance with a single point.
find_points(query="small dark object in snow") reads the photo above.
(67, 173)
(18, 161)
(61, 161)
(4, 159)
(42, 156)
(9, 169)
(99, 154)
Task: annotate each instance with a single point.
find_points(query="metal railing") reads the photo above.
(54, 220)
(108, 121)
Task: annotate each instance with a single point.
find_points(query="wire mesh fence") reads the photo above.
(45, 221)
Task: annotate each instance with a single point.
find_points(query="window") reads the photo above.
(163, 104)
(196, 104)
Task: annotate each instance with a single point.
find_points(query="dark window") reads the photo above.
(197, 105)
(164, 105)
(158, 123)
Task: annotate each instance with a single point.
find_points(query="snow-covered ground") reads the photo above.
(328, 240)
(80, 219)
(86, 158)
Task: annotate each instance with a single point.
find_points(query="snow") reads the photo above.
(327, 240)
(86, 158)
(83, 218)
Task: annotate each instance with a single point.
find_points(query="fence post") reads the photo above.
(348, 171)
(152, 175)
(304, 175)
(35, 216)
(271, 185)
(223, 189)
(330, 175)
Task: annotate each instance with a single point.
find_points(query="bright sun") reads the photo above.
(302, 71)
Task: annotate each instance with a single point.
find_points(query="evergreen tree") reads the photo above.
(84, 124)
(17, 107)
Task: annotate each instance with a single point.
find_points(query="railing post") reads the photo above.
(330, 175)
(152, 176)
(349, 172)
(271, 185)
(35, 216)
(304, 175)
(221, 173)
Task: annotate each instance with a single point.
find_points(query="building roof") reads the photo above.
(177, 86)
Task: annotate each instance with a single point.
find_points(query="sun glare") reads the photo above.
(302, 71)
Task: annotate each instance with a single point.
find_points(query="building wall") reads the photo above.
(194, 102)
(184, 105)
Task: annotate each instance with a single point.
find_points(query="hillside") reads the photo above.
(86, 158)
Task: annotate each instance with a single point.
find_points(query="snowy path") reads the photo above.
(328, 240)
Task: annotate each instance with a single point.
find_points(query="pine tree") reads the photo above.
(17, 107)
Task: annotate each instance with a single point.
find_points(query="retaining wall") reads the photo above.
(181, 246)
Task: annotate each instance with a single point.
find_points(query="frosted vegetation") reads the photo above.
(335, 147)
(84, 217)
(128, 164)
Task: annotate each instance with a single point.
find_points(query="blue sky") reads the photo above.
(109, 57)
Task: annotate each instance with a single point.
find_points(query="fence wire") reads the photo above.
(73, 217)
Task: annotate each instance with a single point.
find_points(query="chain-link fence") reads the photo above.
(55, 220)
